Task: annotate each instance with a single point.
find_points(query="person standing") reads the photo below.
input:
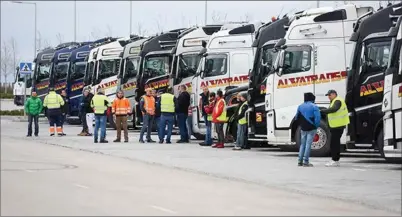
(189, 121)
(203, 103)
(53, 103)
(33, 107)
(147, 106)
(208, 110)
(338, 119)
(241, 141)
(183, 102)
(167, 105)
(100, 104)
(309, 117)
(219, 118)
(121, 108)
(85, 108)
(157, 118)
(64, 109)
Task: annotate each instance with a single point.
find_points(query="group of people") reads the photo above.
(308, 116)
(163, 107)
(56, 109)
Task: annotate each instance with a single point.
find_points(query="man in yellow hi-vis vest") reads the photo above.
(52, 104)
(167, 106)
(241, 141)
(338, 119)
(100, 104)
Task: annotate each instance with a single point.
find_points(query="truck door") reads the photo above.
(368, 89)
(186, 68)
(291, 82)
(215, 70)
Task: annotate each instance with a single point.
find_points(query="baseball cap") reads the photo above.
(331, 91)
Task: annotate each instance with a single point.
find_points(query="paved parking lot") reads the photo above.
(364, 181)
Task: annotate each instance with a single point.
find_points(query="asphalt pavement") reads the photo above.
(73, 176)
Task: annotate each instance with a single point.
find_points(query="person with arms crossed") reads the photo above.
(121, 108)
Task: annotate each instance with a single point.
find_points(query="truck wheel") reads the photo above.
(321, 141)
(380, 143)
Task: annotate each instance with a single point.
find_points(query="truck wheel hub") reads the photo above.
(320, 139)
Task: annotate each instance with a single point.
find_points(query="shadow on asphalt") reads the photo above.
(378, 161)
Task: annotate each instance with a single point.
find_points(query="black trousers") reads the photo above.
(336, 134)
(35, 119)
(84, 122)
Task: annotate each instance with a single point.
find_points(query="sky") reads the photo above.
(96, 19)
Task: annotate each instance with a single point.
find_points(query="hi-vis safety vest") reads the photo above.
(98, 104)
(243, 120)
(149, 104)
(167, 102)
(121, 106)
(53, 100)
(339, 118)
(222, 117)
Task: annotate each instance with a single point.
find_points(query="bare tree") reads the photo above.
(6, 62)
(109, 31)
(13, 46)
(140, 29)
(95, 33)
(159, 27)
(216, 16)
(59, 38)
(46, 43)
(247, 17)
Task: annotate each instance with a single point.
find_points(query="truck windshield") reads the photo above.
(60, 70)
(78, 70)
(43, 71)
(376, 56)
(215, 64)
(88, 72)
(157, 65)
(109, 68)
(188, 64)
(268, 57)
(132, 67)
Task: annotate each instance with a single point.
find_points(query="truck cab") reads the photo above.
(392, 102)
(263, 61)
(187, 55)
(312, 57)
(365, 82)
(225, 65)
(19, 88)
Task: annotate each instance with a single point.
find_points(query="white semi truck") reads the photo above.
(19, 87)
(392, 102)
(225, 65)
(313, 57)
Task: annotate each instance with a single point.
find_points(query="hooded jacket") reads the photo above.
(308, 114)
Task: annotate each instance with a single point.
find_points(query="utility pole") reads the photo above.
(318, 4)
(75, 20)
(131, 16)
(206, 12)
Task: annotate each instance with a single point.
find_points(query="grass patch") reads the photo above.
(18, 112)
(6, 96)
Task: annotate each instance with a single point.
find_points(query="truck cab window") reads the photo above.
(376, 56)
(60, 70)
(157, 66)
(188, 64)
(267, 61)
(88, 73)
(43, 71)
(132, 67)
(109, 68)
(297, 60)
(77, 70)
(215, 64)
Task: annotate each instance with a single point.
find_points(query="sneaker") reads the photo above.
(307, 165)
(202, 143)
(29, 135)
(333, 164)
(95, 141)
(160, 141)
(299, 164)
(52, 134)
(214, 145)
(82, 134)
(168, 142)
(104, 141)
(116, 140)
(141, 141)
(63, 134)
(88, 134)
(126, 140)
(36, 135)
(247, 147)
(150, 141)
(236, 148)
(220, 145)
(180, 141)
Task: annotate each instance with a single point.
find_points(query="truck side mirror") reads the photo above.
(280, 71)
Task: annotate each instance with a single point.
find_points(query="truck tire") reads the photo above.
(321, 143)
(380, 143)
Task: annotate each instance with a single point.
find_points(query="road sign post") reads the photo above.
(25, 69)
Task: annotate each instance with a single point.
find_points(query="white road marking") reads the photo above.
(81, 186)
(359, 169)
(29, 171)
(163, 209)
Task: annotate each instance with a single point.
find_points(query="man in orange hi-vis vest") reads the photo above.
(147, 106)
(121, 108)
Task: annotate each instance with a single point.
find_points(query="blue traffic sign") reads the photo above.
(25, 68)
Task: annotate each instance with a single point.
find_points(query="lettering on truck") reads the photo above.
(61, 85)
(225, 81)
(77, 86)
(312, 79)
(129, 86)
(42, 85)
(158, 84)
(400, 91)
(375, 87)
(108, 85)
(263, 89)
(188, 85)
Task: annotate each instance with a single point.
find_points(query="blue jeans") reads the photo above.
(165, 120)
(100, 122)
(182, 119)
(146, 126)
(208, 135)
(305, 145)
(241, 135)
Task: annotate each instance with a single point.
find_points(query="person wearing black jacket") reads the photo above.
(64, 109)
(85, 108)
(241, 141)
(204, 101)
(183, 102)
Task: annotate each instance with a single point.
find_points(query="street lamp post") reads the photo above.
(131, 16)
(75, 20)
(25, 77)
(206, 13)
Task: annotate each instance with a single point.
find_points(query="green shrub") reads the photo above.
(6, 96)
(19, 112)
